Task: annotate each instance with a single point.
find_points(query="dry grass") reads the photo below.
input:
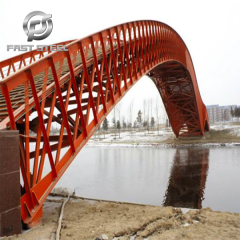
(213, 136)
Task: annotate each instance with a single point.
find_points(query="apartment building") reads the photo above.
(218, 113)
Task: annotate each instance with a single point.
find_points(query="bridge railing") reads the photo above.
(14, 64)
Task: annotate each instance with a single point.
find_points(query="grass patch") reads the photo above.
(213, 136)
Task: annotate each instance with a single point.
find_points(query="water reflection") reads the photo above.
(187, 178)
(157, 176)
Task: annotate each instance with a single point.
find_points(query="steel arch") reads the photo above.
(78, 88)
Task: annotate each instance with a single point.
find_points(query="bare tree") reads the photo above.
(157, 110)
(119, 127)
(135, 124)
(114, 121)
(144, 114)
(124, 124)
(151, 104)
(144, 109)
(152, 122)
(151, 112)
(118, 112)
(148, 113)
(232, 113)
(130, 110)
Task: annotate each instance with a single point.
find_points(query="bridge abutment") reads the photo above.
(10, 217)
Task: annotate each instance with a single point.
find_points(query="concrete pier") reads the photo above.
(10, 217)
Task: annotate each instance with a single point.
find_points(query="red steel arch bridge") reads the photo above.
(78, 88)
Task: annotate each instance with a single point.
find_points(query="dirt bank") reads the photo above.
(90, 220)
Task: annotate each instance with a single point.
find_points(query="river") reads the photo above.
(196, 177)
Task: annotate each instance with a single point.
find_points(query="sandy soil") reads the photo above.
(93, 220)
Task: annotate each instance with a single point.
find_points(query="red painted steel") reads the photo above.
(78, 88)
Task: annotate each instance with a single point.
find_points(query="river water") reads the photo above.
(181, 177)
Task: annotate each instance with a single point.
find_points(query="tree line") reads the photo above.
(149, 116)
(139, 123)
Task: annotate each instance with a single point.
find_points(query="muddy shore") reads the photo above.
(86, 220)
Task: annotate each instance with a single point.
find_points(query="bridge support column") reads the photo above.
(10, 217)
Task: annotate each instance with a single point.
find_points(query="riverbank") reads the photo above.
(219, 135)
(92, 220)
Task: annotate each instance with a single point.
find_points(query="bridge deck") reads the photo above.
(17, 95)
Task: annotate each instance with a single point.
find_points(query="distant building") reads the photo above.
(217, 114)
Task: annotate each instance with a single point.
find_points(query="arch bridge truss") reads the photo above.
(76, 89)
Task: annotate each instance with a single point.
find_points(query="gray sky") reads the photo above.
(210, 29)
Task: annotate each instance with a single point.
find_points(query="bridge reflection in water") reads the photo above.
(187, 178)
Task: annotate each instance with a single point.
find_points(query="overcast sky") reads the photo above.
(210, 29)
